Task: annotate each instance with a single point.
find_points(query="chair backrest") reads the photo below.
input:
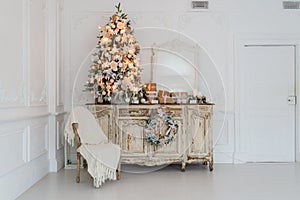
(89, 130)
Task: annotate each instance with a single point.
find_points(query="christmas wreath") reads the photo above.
(160, 128)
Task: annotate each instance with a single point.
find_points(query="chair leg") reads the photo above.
(78, 168)
(119, 171)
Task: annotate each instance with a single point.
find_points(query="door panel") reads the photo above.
(197, 140)
(267, 121)
(132, 136)
(173, 148)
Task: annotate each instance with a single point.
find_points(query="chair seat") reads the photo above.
(108, 154)
(102, 160)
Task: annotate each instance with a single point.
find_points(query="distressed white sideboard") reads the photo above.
(125, 124)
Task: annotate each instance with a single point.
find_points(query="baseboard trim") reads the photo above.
(55, 164)
(239, 158)
(223, 157)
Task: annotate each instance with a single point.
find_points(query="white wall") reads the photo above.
(31, 104)
(217, 30)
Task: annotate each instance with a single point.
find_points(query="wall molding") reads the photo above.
(41, 99)
(26, 175)
(38, 97)
(60, 134)
(21, 149)
(23, 114)
(28, 106)
(17, 101)
(37, 140)
(224, 141)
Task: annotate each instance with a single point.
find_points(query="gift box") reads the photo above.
(180, 97)
(154, 101)
(165, 100)
(173, 94)
(162, 93)
(151, 94)
(151, 99)
(150, 86)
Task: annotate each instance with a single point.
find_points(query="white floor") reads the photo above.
(232, 182)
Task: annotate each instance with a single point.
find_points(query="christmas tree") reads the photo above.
(115, 65)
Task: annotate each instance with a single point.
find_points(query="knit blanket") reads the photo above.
(102, 157)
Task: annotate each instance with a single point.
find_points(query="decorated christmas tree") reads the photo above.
(115, 67)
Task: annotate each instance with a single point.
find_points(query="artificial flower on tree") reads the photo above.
(115, 65)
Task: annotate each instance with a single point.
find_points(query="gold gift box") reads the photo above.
(166, 100)
(150, 86)
(163, 93)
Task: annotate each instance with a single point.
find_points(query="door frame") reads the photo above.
(240, 40)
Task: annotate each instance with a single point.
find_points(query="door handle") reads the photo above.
(291, 100)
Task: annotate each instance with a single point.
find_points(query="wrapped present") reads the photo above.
(165, 100)
(154, 101)
(173, 94)
(181, 97)
(150, 86)
(193, 101)
(151, 94)
(162, 93)
(150, 99)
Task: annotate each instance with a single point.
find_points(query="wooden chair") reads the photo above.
(102, 157)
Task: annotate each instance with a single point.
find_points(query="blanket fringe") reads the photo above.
(97, 170)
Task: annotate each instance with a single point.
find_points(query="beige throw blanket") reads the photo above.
(102, 157)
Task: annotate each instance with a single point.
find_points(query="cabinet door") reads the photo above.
(131, 133)
(197, 138)
(174, 147)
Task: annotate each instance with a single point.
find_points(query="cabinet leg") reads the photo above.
(183, 164)
(96, 186)
(211, 164)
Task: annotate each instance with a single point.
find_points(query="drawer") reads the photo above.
(174, 111)
(134, 112)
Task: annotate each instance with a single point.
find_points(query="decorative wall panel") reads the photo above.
(12, 150)
(13, 54)
(38, 69)
(60, 125)
(37, 140)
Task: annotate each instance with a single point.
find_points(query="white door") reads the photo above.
(267, 118)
